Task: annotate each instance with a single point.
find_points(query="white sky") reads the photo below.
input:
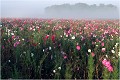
(21, 8)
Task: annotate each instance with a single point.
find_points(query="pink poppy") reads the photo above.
(102, 44)
(107, 64)
(21, 28)
(110, 68)
(13, 37)
(93, 43)
(65, 57)
(93, 54)
(78, 47)
(104, 61)
(16, 43)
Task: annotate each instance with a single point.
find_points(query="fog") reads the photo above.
(82, 10)
(37, 9)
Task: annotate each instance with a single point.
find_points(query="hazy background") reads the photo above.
(36, 8)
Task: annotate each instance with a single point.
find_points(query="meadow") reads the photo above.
(59, 49)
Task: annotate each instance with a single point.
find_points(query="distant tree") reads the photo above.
(80, 10)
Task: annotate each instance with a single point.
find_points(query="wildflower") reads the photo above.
(103, 49)
(85, 28)
(104, 61)
(15, 31)
(23, 39)
(60, 35)
(49, 48)
(47, 36)
(96, 45)
(78, 68)
(107, 64)
(69, 31)
(113, 57)
(54, 71)
(77, 34)
(30, 28)
(21, 28)
(34, 29)
(106, 56)
(43, 50)
(13, 36)
(93, 43)
(73, 37)
(94, 35)
(102, 44)
(9, 61)
(65, 57)
(12, 33)
(59, 68)
(78, 47)
(82, 38)
(116, 44)
(53, 38)
(89, 50)
(16, 43)
(32, 54)
(93, 54)
(112, 51)
(0, 25)
(24, 52)
(110, 68)
(66, 35)
(17, 37)
(63, 52)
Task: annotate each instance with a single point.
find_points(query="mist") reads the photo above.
(44, 9)
(83, 10)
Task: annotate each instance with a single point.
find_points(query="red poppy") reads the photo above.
(53, 38)
(13, 36)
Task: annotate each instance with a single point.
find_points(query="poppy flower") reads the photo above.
(93, 54)
(78, 47)
(65, 57)
(16, 43)
(53, 38)
(103, 49)
(102, 44)
(110, 69)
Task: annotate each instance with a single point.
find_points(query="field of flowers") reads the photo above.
(59, 49)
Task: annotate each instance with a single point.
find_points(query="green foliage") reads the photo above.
(90, 67)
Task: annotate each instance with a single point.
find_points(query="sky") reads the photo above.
(35, 8)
